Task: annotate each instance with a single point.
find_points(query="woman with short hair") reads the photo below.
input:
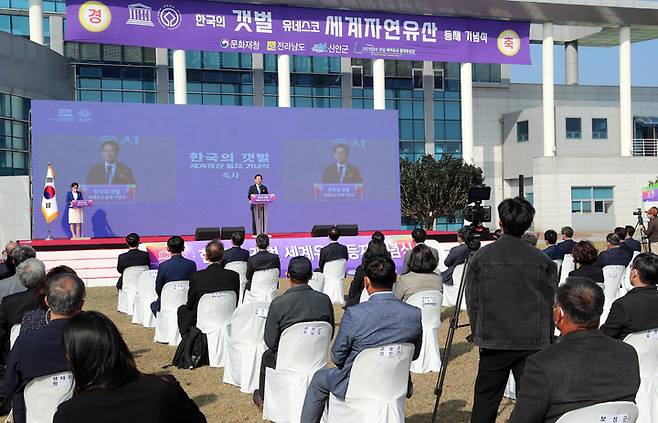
(584, 255)
(421, 276)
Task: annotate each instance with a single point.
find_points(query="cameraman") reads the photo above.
(509, 294)
(652, 229)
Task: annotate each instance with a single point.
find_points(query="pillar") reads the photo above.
(284, 80)
(466, 76)
(548, 89)
(571, 62)
(180, 77)
(36, 21)
(625, 108)
(378, 84)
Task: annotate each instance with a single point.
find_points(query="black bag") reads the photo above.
(192, 352)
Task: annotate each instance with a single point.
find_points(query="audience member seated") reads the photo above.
(381, 320)
(177, 268)
(419, 236)
(375, 249)
(567, 243)
(7, 267)
(530, 238)
(40, 352)
(421, 276)
(300, 303)
(614, 255)
(12, 284)
(636, 310)
(108, 386)
(334, 250)
(583, 369)
(236, 252)
(133, 257)
(631, 243)
(584, 256)
(456, 256)
(262, 260)
(38, 317)
(552, 251)
(213, 279)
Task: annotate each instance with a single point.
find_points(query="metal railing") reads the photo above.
(645, 147)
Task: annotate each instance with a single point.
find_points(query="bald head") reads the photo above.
(65, 294)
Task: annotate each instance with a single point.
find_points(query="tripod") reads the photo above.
(644, 241)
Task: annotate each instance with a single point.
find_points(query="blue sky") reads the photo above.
(598, 65)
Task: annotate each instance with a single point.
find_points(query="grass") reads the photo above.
(225, 403)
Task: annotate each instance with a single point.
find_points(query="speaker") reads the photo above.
(228, 231)
(206, 234)
(348, 230)
(321, 230)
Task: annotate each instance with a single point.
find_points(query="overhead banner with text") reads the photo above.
(251, 28)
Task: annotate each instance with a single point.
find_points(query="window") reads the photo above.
(438, 79)
(357, 76)
(417, 75)
(600, 128)
(522, 131)
(591, 199)
(14, 134)
(574, 131)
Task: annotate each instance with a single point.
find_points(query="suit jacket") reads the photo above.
(407, 259)
(456, 256)
(69, 198)
(213, 279)
(352, 174)
(566, 246)
(381, 320)
(262, 260)
(147, 399)
(10, 285)
(583, 369)
(652, 230)
(356, 287)
(554, 252)
(298, 304)
(12, 309)
(131, 258)
(254, 190)
(235, 254)
(632, 245)
(332, 251)
(614, 257)
(412, 283)
(7, 269)
(591, 272)
(633, 312)
(177, 268)
(123, 175)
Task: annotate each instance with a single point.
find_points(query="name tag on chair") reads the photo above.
(652, 334)
(614, 418)
(391, 351)
(62, 381)
(218, 295)
(430, 299)
(313, 330)
(180, 287)
(261, 312)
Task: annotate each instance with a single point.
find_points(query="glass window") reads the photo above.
(357, 76)
(438, 79)
(522, 134)
(417, 75)
(452, 110)
(599, 128)
(573, 128)
(20, 25)
(5, 23)
(591, 199)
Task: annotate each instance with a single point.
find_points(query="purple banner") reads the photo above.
(251, 28)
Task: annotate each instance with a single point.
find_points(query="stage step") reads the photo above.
(95, 267)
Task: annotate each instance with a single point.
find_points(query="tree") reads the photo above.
(653, 182)
(430, 188)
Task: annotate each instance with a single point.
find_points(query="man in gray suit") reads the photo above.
(381, 320)
(13, 284)
(419, 236)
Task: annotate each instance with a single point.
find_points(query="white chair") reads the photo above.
(126, 297)
(43, 394)
(377, 387)
(626, 278)
(264, 284)
(364, 296)
(429, 302)
(142, 314)
(317, 282)
(442, 254)
(244, 345)
(13, 335)
(213, 311)
(450, 291)
(558, 263)
(646, 345)
(240, 267)
(510, 388)
(568, 265)
(611, 280)
(334, 276)
(606, 412)
(174, 295)
(303, 349)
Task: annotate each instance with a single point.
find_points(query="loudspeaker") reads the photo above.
(206, 234)
(348, 230)
(228, 231)
(321, 230)
(345, 230)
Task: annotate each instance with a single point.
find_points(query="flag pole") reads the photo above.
(50, 235)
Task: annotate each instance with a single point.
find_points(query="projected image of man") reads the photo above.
(110, 171)
(341, 172)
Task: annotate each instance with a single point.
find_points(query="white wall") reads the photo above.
(15, 208)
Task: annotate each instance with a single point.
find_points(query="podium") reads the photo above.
(82, 204)
(259, 202)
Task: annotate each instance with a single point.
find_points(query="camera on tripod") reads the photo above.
(476, 213)
(637, 212)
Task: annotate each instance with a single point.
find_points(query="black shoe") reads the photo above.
(257, 398)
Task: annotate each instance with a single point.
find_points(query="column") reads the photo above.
(548, 93)
(466, 76)
(346, 82)
(57, 34)
(284, 80)
(625, 107)
(180, 77)
(428, 103)
(36, 21)
(571, 62)
(162, 75)
(258, 78)
(378, 84)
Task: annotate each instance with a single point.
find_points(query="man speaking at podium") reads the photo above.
(341, 172)
(257, 188)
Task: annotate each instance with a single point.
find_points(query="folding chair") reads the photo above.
(334, 276)
(450, 291)
(142, 314)
(612, 281)
(615, 411)
(174, 295)
(213, 311)
(43, 394)
(646, 344)
(567, 266)
(240, 267)
(429, 302)
(264, 284)
(126, 296)
(317, 282)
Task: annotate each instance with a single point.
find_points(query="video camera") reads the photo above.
(477, 213)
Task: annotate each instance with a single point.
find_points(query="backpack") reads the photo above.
(192, 352)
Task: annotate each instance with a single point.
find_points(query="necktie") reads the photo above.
(258, 188)
(341, 173)
(108, 170)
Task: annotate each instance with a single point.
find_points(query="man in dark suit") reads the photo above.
(552, 251)
(419, 236)
(300, 303)
(456, 256)
(381, 320)
(341, 172)
(262, 260)
(584, 368)
(630, 242)
(213, 279)
(257, 188)
(177, 268)
(41, 352)
(235, 253)
(567, 243)
(636, 310)
(110, 171)
(133, 257)
(7, 268)
(333, 250)
(614, 255)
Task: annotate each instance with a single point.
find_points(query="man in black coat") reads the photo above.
(257, 188)
(8, 268)
(133, 257)
(333, 250)
(584, 368)
(456, 256)
(567, 243)
(341, 172)
(213, 279)
(631, 243)
(236, 253)
(110, 171)
(262, 260)
(614, 255)
(552, 251)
